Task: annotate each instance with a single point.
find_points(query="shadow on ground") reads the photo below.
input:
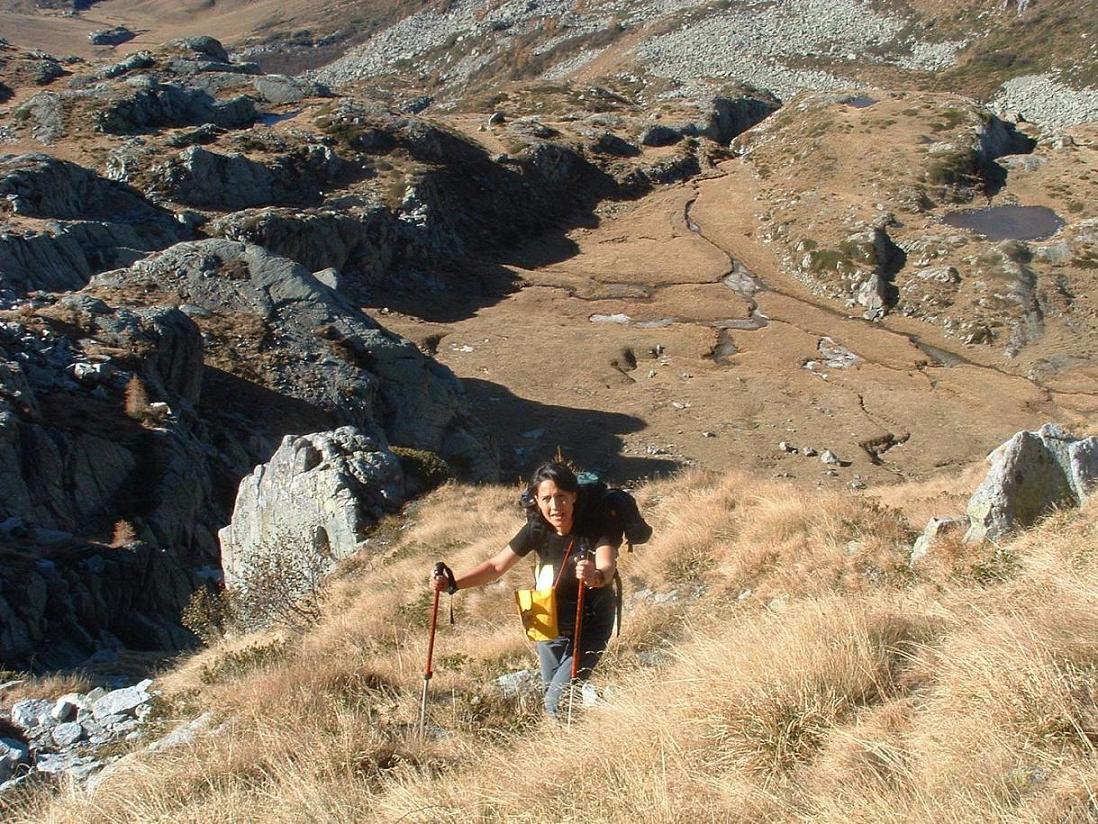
(529, 433)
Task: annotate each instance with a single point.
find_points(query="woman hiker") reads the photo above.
(572, 548)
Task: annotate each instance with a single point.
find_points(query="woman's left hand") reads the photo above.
(588, 573)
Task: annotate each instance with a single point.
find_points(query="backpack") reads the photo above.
(616, 510)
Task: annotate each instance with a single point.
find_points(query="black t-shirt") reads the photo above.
(550, 549)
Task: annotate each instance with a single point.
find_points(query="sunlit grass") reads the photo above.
(782, 663)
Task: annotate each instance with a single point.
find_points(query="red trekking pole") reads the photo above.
(440, 569)
(576, 643)
(579, 631)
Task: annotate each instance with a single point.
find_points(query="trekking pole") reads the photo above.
(576, 641)
(440, 569)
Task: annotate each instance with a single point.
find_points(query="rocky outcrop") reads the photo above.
(97, 224)
(39, 185)
(728, 117)
(107, 509)
(312, 503)
(185, 83)
(199, 177)
(77, 736)
(19, 67)
(278, 89)
(111, 37)
(1031, 474)
(138, 61)
(462, 202)
(318, 347)
(142, 103)
(201, 46)
(860, 269)
(364, 244)
(44, 115)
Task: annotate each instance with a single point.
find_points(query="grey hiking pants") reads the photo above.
(556, 663)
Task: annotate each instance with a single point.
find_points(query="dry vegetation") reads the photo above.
(817, 678)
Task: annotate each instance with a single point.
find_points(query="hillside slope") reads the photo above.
(779, 661)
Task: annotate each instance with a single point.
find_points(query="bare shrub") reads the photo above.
(282, 583)
(136, 400)
(124, 533)
(236, 663)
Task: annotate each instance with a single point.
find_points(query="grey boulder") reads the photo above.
(111, 37)
(31, 713)
(277, 89)
(1031, 474)
(316, 497)
(67, 734)
(936, 529)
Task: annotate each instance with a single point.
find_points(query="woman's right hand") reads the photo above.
(438, 583)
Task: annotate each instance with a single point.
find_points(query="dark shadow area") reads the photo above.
(1000, 139)
(529, 432)
(481, 284)
(995, 178)
(458, 290)
(552, 247)
(895, 260)
(247, 422)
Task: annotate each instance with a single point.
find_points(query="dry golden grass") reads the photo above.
(47, 686)
(801, 672)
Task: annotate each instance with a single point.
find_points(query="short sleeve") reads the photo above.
(523, 541)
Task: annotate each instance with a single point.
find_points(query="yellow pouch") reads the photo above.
(538, 607)
(538, 610)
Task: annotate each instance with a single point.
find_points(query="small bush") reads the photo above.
(124, 534)
(423, 468)
(235, 663)
(209, 615)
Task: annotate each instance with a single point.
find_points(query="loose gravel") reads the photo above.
(760, 43)
(756, 44)
(1041, 99)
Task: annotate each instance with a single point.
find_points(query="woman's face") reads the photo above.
(556, 505)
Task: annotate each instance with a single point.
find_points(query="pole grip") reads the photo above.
(448, 574)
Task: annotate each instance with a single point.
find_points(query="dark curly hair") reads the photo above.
(558, 473)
